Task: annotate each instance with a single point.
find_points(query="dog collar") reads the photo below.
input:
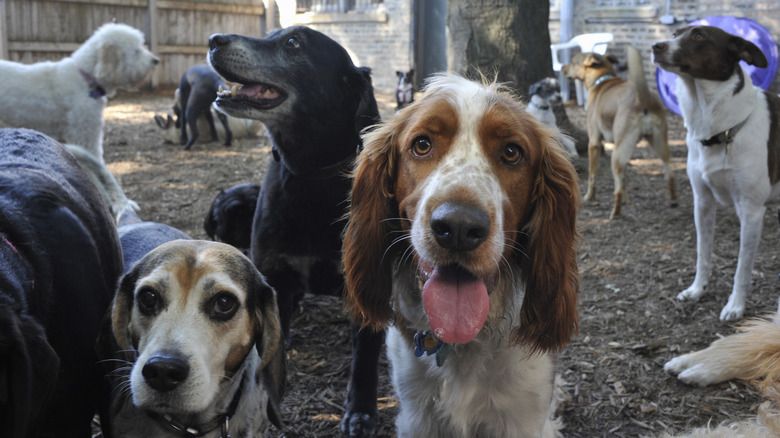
(222, 420)
(602, 78)
(724, 137)
(95, 90)
(427, 343)
(541, 107)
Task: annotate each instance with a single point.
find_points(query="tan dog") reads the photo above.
(622, 112)
(196, 330)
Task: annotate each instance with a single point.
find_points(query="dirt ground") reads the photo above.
(631, 270)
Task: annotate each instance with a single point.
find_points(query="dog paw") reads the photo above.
(732, 311)
(690, 294)
(359, 424)
(693, 373)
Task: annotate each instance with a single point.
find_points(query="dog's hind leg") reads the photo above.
(620, 156)
(212, 128)
(228, 133)
(751, 219)
(658, 139)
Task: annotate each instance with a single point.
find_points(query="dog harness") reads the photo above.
(602, 78)
(223, 420)
(724, 137)
(95, 90)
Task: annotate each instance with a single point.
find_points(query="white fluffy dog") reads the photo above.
(65, 99)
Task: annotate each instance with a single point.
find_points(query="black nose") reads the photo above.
(459, 227)
(155, 61)
(660, 47)
(217, 40)
(164, 372)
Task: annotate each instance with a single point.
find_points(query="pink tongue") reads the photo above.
(456, 304)
(258, 91)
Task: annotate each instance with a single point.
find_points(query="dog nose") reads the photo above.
(164, 372)
(217, 40)
(659, 47)
(155, 61)
(459, 227)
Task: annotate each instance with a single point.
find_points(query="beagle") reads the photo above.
(194, 336)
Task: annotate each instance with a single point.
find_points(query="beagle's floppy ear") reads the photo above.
(268, 341)
(367, 264)
(121, 310)
(548, 317)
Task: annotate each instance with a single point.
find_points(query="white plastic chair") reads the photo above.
(587, 42)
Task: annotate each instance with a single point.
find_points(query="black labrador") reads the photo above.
(314, 103)
(59, 262)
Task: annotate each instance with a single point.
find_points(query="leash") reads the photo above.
(602, 78)
(95, 90)
(223, 420)
(724, 137)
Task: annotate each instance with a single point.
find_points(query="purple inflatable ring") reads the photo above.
(743, 27)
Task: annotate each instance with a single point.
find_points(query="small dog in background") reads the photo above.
(621, 112)
(542, 95)
(230, 217)
(197, 91)
(404, 92)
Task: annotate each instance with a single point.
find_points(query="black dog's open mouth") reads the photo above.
(261, 96)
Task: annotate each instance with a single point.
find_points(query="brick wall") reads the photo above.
(379, 39)
(643, 28)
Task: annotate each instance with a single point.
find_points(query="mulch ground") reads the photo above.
(631, 270)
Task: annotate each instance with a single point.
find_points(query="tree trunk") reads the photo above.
(508, 39)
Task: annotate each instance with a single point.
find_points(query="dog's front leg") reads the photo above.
(704, 219)
(361, 416)
(751, 218)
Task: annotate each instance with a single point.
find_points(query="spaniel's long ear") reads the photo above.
(367, 263)
(548, 316)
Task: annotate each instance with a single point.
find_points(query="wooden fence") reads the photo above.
(176, 31)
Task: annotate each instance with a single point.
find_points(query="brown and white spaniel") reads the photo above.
(462, 238)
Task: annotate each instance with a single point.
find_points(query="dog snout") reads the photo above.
(660, 47)
(218, 40)
(459, 227)
(155, 61)
(164, 372)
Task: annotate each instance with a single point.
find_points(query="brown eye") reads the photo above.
(148, 301)
(294, 43)
(512, 154)
(422, 146)
(223, 306)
